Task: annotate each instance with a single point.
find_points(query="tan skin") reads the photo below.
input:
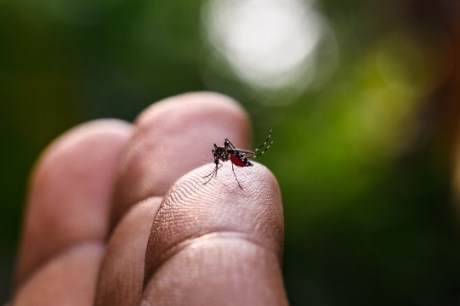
(103, 225)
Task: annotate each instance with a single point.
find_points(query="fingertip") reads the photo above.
(208, 104)
(193, 209)
(70, 190)
(84, 130)
(112, 128)
(218, 242)
(197, 115)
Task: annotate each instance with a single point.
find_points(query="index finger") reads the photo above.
(171, 138)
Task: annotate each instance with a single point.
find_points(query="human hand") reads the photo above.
(101, 226)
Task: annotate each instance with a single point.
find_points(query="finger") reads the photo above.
(218, 244)
(171, 138)
(70, 193)
(122, 271)
(68, 279)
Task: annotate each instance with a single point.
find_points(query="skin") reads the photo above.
(117, 214)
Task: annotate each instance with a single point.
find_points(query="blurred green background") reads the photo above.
(361, 96)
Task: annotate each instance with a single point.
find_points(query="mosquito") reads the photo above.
(237, 157)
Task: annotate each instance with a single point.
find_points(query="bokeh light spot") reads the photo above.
(269, 44)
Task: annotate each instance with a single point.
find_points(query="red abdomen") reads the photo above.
(237, 161)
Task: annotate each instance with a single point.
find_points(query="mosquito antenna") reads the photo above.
(265, 146)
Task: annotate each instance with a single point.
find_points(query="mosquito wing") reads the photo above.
(246, 153)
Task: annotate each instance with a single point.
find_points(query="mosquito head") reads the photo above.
(219, 153)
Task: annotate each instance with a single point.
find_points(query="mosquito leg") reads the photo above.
(229, 144)
(234, 174)
(213, 173)
(210, 176)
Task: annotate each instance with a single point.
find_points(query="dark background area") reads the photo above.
(364, 115)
